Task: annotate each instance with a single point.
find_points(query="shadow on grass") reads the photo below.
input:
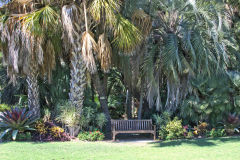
(30, 142)
(204, 142)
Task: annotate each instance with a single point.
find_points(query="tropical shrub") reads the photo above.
(41, 128)
(91, 119)
(46, 115)
(189, 135)
(202, 128)
(17, 120)
(48, 131)
(26, 136)
(4, 107)
(174, 129)
(211, 101)
(91, 136)
(161, 122)
(100, 120)
(232, 123)
(188, 132)
(68, 116)
(216, 133)
(56, 131)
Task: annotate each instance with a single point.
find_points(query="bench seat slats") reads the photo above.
(133, 126)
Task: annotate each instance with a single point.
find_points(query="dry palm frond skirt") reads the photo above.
(104, 53)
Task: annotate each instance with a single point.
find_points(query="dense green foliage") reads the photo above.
(91, 136)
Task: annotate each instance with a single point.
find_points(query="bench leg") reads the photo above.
(114, 135)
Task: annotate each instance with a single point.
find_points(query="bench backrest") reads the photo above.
(132, 125)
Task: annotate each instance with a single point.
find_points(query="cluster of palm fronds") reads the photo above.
(193, 38)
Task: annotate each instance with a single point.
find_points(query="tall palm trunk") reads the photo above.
(128, 108)
(101, 90)
(141, 103)
(33, 88)
(71, 19)
(77, 82)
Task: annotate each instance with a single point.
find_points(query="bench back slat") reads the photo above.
(132, 125)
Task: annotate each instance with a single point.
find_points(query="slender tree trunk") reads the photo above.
(92, 90)
(140, 105)
(129, 104)
(101, 90)
(33, 89)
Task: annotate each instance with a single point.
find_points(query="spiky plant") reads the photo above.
(16, 120)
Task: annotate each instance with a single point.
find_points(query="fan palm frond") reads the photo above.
(108, 8)
(41, 20)
(126, 36)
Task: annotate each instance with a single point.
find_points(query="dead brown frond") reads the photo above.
(23, 1)
(142, 21)
(71, 17)
(49, 62)
(89, 47)
(104, 53)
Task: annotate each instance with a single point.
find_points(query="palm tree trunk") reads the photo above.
(129, 104)
(101, 90)
(77, 82)
(140, 105)
(33, 89)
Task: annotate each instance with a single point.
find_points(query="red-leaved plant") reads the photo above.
(16, 120)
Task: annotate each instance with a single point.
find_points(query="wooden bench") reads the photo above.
(133, 126)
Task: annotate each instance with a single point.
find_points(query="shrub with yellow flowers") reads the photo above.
(48, 131)
(41, 128)
(200, 129)
(56, 131)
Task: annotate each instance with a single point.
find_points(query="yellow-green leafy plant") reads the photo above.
(41, 128)
(4, 107)
(174, 129)
(56, 131)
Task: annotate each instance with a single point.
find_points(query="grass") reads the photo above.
(201, 149)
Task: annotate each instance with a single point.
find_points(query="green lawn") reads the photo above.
(204, 149)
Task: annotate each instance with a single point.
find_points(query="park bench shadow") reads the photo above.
(204, 142)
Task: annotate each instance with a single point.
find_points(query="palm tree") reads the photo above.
(35, 23)
(190, 37)
(29, 36)
(110, 24)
